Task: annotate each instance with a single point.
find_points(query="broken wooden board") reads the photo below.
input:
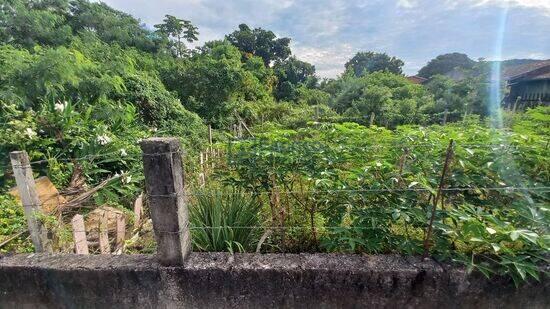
(93, 219)
(47, 193)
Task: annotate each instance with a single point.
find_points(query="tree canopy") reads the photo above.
(291, 73)
(178, 29)
(261, 43)
(445, 63)
(368, 62)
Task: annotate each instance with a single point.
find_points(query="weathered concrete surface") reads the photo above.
(216, 280)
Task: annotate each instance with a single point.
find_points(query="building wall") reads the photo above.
(531, 92)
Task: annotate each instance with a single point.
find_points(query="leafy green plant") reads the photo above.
(224, 220)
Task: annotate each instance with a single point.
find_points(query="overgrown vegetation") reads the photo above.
(81, 84)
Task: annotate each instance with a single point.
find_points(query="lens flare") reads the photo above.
(495, 94)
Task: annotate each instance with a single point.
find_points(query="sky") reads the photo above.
(327, 33)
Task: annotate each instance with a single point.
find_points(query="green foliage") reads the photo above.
(445, 63)
(12, 221)
(261, 43)
(367, 62)
(392, 98)
(291, 74)
(216, 83)
(371, 190)
(178, 29)
(30, 23)
(112, 26)
(225, 220)
(82, 83)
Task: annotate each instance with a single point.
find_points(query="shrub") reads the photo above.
(222, 221)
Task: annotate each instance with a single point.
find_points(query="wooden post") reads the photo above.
(202, 175)
(516, 104)
(79, 235)
(438, 195)
(371, 122)
(29, 198)
(104, 247)
(210, 135)
(164, 184)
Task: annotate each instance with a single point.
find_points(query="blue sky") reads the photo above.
(328, 32)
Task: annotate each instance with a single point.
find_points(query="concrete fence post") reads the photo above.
(164, 185)
(29, 198)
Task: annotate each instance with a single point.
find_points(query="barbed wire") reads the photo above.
(251, 227)
(364, 190)
(399, 144)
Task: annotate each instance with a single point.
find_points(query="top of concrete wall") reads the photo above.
(254, 280)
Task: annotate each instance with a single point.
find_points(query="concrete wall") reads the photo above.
(216, 280)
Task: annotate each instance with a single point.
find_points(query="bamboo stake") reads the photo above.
(437, 198)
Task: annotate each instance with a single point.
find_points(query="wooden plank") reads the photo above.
(79, 235)
(138, 211)
(48, 195)
(104, 247)
(31, 203)
(120, 233)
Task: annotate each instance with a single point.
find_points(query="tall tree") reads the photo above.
(445, 63)
(292, 73)
(261, 43)
(30, 23)
(368, 62)
(178, 29)
(112, 26)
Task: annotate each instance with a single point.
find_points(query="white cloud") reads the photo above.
(328, 61)
(407, 4)
(534, 4)
(327, 33)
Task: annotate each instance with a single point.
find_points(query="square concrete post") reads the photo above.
(164, 186)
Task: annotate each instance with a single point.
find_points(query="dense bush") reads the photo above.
(371, 190)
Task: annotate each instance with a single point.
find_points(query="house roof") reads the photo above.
(417, 79)
(535, 70)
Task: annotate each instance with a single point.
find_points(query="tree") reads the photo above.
(368, 62)
(445, 63)
(215, 83)
(30, 23)
(178, 29)
(391, 97)
(261, 43)
(112, 26)
(292, 73)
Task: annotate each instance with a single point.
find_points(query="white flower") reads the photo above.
(123, 152)
(153, 129)
(60, 107)
(127, 179)
(103, 139)
(30, 133)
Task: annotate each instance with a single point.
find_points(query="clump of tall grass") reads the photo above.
(222, 220)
